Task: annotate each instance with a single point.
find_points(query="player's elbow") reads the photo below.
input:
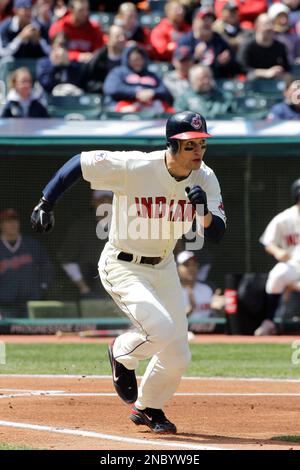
(216, 231)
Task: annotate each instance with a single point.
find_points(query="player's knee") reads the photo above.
(275, 285)
(163, 332)
(178, 364)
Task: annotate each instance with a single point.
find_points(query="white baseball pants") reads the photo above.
(281, 276)
(151, 297)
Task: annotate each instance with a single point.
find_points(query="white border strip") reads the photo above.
(108, 437)
(65, 376)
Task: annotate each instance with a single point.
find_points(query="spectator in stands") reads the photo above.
(279, 15)
(248, 10)
(198, 295)
(294, 15)
(25, 269)
(228, 26)
(83, 244)
(177, 80)
(165, 36)
(60, 8)
(43, 14)
(133, 87)
(289, 109)
(21, 35)
(21, 101)
(105, 59)
(6, 10)
(209, 47)
(264, 56)
(84, 36)
(203, 95)
(127, 18)
(58, 69)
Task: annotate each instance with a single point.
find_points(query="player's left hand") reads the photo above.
(197, 196)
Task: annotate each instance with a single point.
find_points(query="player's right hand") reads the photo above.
(42, 218)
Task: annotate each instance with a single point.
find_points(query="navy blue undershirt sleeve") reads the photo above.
(63, 179)
(216, 230)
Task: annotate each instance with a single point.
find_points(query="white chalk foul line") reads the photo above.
(108, 377)
(58, 393)
(108, 437)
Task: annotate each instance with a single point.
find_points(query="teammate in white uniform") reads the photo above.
(156, 197)
(282, 240)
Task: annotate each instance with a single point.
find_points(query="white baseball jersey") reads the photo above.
(150, 208)
(284, 232)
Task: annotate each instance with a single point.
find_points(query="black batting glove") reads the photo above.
(197, 196)
(42, 218)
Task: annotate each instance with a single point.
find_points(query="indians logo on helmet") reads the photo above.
(196, 122)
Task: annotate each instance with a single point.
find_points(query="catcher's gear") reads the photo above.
(197, 196)
(184, 126)
(296, 191)
(42, 217)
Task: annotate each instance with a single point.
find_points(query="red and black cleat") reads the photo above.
(154, 419)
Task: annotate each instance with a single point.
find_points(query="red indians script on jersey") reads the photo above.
(158, 208)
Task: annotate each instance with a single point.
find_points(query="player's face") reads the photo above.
(191, 153)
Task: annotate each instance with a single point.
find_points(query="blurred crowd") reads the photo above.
(152, 57)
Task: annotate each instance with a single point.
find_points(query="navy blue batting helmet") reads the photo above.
(185, 125)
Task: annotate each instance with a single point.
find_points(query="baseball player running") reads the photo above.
(282, 240)
(157, 195)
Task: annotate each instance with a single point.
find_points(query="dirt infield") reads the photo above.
(85, 413)
(75, 412)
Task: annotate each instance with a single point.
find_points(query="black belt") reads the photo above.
(144, 259)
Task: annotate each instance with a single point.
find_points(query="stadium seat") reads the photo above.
(86, 106)
(52, 309)
(150, 19)
(266, 87)
(98, 308)
(104, 19)
(134, 116)
(296, 70)
(251, 107)
(233, 87)
(157, 5)
(160, 68)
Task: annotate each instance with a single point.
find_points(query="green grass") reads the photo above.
(226, 360)
(286, 438)
(4, 446)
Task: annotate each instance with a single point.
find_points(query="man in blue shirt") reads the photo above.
(25, 269)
